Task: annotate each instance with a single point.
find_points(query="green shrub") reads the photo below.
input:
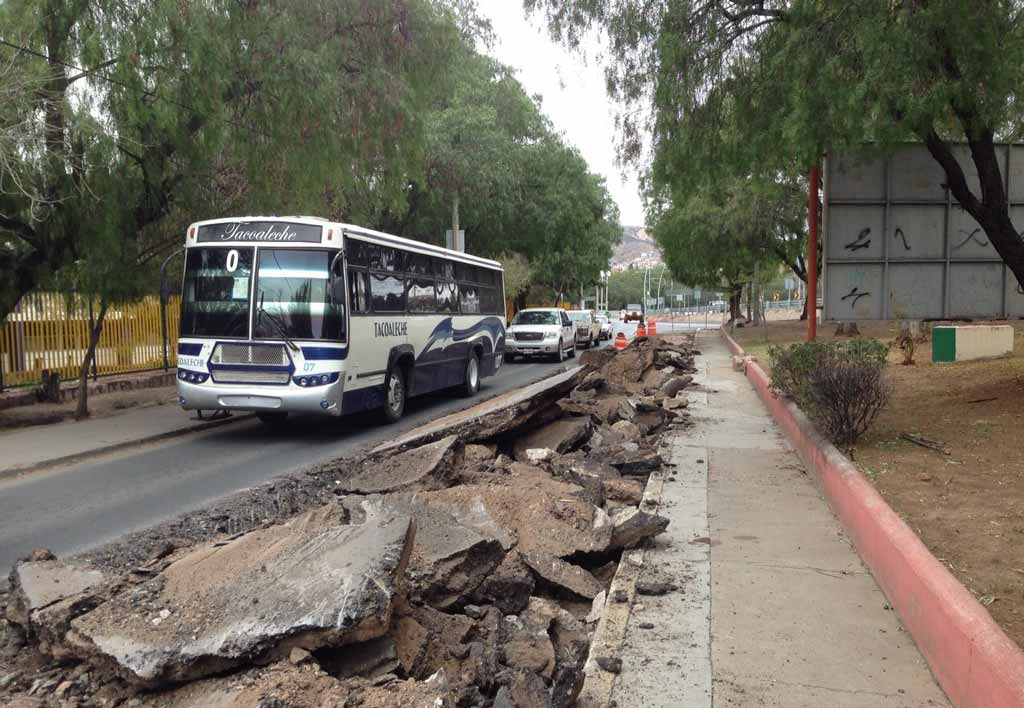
(841, 386)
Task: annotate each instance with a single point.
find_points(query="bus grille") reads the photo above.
(255, 377)
(255, 354)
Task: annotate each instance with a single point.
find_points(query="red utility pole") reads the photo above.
(812, 255)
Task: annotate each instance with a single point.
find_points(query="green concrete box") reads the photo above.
(965, 342)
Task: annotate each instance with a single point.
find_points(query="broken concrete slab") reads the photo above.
(36, 585)
(449, 559)
(429, 467)
(627, 491)
(492, 419)
(673, 404)
(594, 381)
(526, 646)
(675, 384)
(561, 436)
(564, 575)
(630, 526)
(509, 587)
(536, 455)
(632, 462)
(628, 366)
(309, 582)
(528, 690)
(540, 513)
(46, 595)
(627, 429)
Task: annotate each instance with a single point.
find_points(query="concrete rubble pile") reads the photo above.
(466, 571)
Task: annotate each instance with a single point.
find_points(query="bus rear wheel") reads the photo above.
(273, 419)
(471, 376)
(394, 395)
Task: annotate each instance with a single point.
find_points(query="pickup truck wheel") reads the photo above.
(572, 352)
(560, 357)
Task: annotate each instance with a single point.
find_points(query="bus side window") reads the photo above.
(447, 297)
(469, 299)
(387, 293)
(358, 292)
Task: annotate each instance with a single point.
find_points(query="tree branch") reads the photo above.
(955, 178)
(19, 229)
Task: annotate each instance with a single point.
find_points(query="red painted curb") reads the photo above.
(977, 665)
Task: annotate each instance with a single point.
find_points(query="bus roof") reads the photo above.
(363, 233)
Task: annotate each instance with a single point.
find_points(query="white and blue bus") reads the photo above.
(302, 315)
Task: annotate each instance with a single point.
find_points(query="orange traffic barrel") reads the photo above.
(620, 341)
(652, 326)
(641, 331)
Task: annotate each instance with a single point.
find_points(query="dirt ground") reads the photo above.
(968, 505)
(100, 406)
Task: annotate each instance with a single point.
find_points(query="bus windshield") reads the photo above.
(296, 297)
(215, 297)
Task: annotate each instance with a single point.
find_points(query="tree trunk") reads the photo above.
(735, 296)
(992, 211)
(82, 410)
(803, 315)
(750, 300)
(519, 301)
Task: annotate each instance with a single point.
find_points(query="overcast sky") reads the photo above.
(573, 95)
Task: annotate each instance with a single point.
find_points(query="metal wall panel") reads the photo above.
(897, 245)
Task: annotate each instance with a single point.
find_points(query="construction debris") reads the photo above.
(463, 564)
(309, 582)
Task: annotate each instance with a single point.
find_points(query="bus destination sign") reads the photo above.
(274, 231)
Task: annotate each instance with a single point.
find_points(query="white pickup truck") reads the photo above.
(588, 330)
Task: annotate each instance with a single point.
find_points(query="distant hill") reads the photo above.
(636, 249)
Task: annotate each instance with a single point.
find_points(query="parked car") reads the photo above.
(633, 313)
(606, 326)
(540, 331)
(588, 331)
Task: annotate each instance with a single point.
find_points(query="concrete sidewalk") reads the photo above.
(44, 445)
(774, 606)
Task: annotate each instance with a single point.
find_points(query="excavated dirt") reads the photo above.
(461, 570)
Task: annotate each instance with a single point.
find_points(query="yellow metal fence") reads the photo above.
(46, 331)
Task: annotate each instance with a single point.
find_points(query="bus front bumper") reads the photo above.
(320, 400)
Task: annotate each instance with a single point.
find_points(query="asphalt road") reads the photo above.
(75, 507)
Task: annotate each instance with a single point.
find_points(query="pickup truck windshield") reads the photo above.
(577, 316)
(539, 317)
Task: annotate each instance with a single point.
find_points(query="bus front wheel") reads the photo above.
(471, 376)
(394, 395)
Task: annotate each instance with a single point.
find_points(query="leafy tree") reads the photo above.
(625, 288)
(117, 112)
(517, 277)
(792, 78)
(116, 116)
(518, 187)
(723, 234)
